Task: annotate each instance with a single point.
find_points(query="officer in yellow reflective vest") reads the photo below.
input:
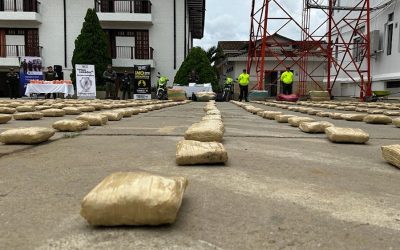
(287, 79)
(244, 80)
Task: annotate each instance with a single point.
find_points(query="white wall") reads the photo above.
(383, 67)
(161, 32)
(240, 63)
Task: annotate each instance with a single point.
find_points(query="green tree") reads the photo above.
(197, 59)
(215, 55)
(91, 46)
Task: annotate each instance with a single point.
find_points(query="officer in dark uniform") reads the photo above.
(193, 77)
(13, 83)
(51, 75)
(110, 76)
(126, 82)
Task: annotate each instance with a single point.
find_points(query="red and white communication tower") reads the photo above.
(334, 37)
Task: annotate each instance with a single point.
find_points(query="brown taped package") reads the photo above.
(315, 127)
(190, 152)
(296, 120)
(396, 122)
(271, 114)
(113, 115)
(72, 111)
(33, 135)
(134, 198)
(206, 131)
(26, 108)
(7, 110)
(354, 117)
(94, 119)
(346, 135)
(28, 116)
(71, 125)
(283, 118)
(378, 119)
(5, 118)
(392, 154)
(53, 112)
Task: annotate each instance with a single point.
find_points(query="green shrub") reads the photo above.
(91, 46)
(197, 59)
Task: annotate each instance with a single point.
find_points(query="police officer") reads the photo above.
(50, 75)
(244, 80)
(194, 77)
(126, 85)
(109, 77)
(287, 79)
(13, 83)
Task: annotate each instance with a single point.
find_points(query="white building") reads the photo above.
(385, 47)
(236, 55)
(157, 32)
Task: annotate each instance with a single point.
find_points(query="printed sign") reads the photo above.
(85, 81)
(142, 82)
(30, 69)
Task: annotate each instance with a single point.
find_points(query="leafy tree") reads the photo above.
(197, 59)
(215, 55)
(91, 46)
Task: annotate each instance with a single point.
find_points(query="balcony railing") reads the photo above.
(123, 6)
(19, 5)
(129, 52)
(19, 51)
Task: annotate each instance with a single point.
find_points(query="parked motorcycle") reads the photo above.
(228, 90)
(162, 93)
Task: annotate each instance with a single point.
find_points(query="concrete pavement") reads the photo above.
(281, 189)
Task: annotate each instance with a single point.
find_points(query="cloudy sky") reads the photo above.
(228, 20)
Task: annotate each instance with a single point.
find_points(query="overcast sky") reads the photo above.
(228, 20)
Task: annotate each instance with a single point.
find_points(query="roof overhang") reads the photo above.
(197, 10)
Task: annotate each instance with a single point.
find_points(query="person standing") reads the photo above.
(24, 66)
(126, 85)
(287, 79)
(244, 80)
(13, 83)
(193, 77)
(50, 75)
(110, 76)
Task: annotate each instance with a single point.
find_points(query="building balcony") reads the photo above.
(26, 11)
(127, 56)
(127, 11)
(10, 55)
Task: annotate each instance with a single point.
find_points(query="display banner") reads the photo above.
(30, 69)
(142, 82)
(85, 81)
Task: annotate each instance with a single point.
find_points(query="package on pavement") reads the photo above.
(190, 152)
(134, 198)
(347, 135)
(31, 135)
(391, 154)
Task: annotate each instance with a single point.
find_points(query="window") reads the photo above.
(336, 52)
(141, 43)
(389, 37)
(392, 85)
(358, 51)
(390, 17)
(338, 4)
